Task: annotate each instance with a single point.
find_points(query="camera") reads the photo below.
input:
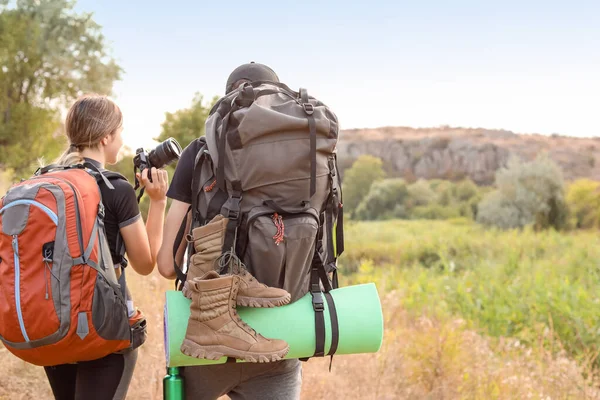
(164, 154)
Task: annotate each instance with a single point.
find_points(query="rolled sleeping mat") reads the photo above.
(357, 308)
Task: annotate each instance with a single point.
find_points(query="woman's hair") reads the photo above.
(89, 120)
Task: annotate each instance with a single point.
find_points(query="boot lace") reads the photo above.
(229, 262)
(239, 319)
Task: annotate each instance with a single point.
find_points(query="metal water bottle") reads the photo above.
(173, 387)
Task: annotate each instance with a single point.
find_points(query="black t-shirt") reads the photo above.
(121, 209)
(181, 183)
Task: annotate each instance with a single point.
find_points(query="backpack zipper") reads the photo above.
(39, 205)
(15, 245)
(77, 217)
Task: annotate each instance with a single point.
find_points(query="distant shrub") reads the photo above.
(358, 179)
(385, 200)
(583, 200)
(530, 193)
(420, 194)
(436, 199)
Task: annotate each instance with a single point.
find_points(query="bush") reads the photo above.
(358, 179)
(385, 200)
(530, 193)
(583, 200)
(420, 194)
(510, 284)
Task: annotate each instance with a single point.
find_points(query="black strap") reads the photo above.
(231, 210)
(137, 185)
(196, 181)
(50, 167)
(335, 329)
(181, 276)
(100, 174)
(318, 274)
(309, 109)
(222, 143)
(318, 307)
(329, 226)
(339, 232)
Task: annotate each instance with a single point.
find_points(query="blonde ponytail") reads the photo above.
(89, 120)
(70, 156)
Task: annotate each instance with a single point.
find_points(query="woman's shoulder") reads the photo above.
(117, 180)
(122, 196)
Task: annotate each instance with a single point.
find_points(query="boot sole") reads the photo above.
(216, 352)
(244, 301)
(260, 302)
(255, 302)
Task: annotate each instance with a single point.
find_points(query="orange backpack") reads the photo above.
(60, 300)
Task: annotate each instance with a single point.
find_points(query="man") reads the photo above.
(275, 380)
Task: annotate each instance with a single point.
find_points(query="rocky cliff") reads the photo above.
(455, 153)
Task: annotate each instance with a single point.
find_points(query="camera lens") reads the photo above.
(165, 153)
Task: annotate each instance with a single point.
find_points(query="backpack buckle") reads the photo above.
(309, 109)
(232, 206)
(101, 212)
(317, 302)
(331, 165)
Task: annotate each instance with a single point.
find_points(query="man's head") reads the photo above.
(249, 73)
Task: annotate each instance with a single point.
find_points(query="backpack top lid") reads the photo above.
(252, 72)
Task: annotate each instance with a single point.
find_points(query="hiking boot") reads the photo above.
(208, 243)
(215, 329)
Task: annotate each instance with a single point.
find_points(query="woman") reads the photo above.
(94, 127)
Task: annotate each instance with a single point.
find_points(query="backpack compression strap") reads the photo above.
(309, 110)
(318, 274)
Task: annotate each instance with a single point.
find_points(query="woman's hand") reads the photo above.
(157, 189)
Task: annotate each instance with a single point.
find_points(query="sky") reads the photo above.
(525, 66)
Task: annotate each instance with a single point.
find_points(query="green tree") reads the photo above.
(49, 55)
(187, 124)
(420, 194)
(386, 199)
(530, 193)
(583, 200)
(183, 125)
(358, 179)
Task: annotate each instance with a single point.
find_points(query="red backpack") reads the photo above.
(60, 300)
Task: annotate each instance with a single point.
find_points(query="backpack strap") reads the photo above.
(181, 276)
(309, 110)
(318, 276)
(193, 210)
(103, 175)
(231, 210)
(198, 162)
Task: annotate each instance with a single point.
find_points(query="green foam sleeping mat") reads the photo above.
(360, 321)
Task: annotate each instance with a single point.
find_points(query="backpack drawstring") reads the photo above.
(278, 221)
(211, 186)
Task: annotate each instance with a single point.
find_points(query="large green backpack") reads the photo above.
(268, 163)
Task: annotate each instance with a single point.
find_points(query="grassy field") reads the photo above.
(469, 314)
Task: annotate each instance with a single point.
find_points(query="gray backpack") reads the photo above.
(268, 163)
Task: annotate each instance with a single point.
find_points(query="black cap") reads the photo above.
(251, 71)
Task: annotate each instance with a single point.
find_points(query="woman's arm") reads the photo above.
(143, 243)
(176, 214)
